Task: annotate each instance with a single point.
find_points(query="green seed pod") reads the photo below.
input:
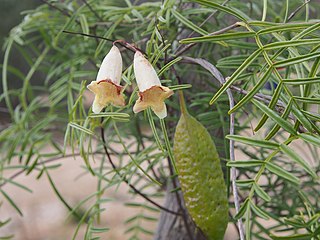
(200, 176)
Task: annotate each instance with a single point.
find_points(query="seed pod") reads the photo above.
(200, 176)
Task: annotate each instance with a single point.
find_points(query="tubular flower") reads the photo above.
(107, 87)
(151, 92)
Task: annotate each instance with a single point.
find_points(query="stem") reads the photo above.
(183, 107)
(127, 182)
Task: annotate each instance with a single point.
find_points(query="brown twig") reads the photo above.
(92, 10)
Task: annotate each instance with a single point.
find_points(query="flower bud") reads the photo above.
(107, 88)
(151, 93)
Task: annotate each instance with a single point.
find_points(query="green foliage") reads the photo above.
(269, 52)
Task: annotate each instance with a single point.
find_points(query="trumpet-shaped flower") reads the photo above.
(107, 87)
(151, 93)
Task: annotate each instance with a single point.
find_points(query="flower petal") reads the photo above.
(160, 110)
(153, 97)
(145, 74)
(111, 66)
(106, 92)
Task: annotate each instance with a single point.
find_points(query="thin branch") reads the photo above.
(92, 10)
(127, 182)
(297, 10)
(88, 35)
(55, 7)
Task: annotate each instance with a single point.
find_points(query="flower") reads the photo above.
(151, 93)
(107, 88)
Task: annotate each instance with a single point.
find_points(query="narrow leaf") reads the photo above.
(244, 164)
(275, 117)
(295, 157)
(261, 193)
(254, 142)
(282, 173)
(220, 37)
(253, 91)
(295, 60)
(188, 23)
(236, 74)
(259, 211)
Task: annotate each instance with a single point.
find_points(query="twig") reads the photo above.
(55, 7)
(297, 10)
(92, 10)
(127, 182)
(88, 35)
(123, 43)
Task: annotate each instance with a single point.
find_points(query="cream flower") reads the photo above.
(107, 87)
(151, 93)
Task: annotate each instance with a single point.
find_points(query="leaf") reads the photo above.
(295, 157)
(291, 43)
(295, 60)
(99, 230)
(306, 236)
(244, 164)
(236, 74)
(109, 114)
(188, 23)
(82, 129)
(284, 27)
(253, 91)
(254, 142)
(220, 37)
(311, 138)
(168, 65)
(261, 193)
(307, 100)
(84, 24)
(272, 104)
(12, 203)
(282, 173)
(259, 211)
(222, 8)
(180, 87)
(243, 209)
(245, 182)
(300, 81)
(275, 117)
